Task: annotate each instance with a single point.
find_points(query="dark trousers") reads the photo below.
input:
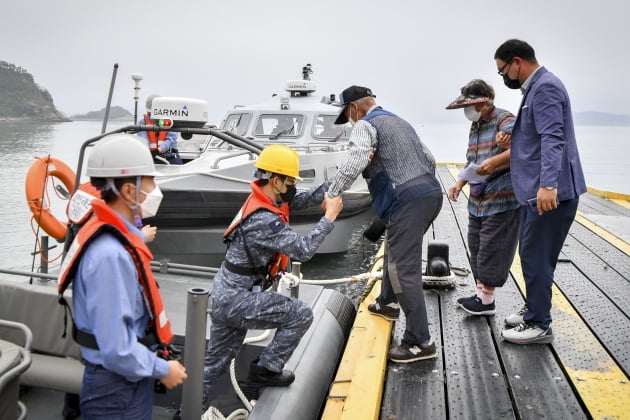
(107, 395)
(402, 276)
(541, 241)
(492, 243)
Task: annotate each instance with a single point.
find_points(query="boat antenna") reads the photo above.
(307, 70)
(109, 98)
(136, 77)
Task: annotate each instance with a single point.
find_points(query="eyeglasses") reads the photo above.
(501, 73)
(287, 180)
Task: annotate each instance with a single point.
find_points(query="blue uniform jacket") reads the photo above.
(108, 302)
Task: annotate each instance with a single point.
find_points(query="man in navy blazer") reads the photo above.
(547, 178)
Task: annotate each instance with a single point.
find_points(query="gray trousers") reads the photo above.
(402, 276)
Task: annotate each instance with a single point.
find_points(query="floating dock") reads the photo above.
(583, 374)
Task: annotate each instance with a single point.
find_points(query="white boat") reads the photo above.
(214, 184)
(203, 195)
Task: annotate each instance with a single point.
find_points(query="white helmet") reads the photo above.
(120, 156)
(150, 99)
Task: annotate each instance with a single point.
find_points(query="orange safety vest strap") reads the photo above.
(255, 201)
(106, 220)
(155, 138)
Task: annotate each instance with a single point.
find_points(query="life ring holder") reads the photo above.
(35, 187)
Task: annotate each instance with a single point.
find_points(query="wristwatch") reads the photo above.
(550, 188)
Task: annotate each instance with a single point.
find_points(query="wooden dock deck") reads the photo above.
(582, 374)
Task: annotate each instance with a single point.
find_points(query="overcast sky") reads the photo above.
(415, 55)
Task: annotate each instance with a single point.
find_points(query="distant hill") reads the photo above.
(22, 99)
(600, 118)
(115, 113)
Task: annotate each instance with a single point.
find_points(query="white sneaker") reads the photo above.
(516, 319)
(527, 333)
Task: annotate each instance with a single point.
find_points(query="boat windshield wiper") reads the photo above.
(283, 132)
(337, 137)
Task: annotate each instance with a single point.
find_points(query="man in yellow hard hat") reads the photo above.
(260, 244)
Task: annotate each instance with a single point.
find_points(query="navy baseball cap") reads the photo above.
(351, 94)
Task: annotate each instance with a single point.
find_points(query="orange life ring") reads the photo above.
(35, 183)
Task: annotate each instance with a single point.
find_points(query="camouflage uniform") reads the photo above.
(236, 308)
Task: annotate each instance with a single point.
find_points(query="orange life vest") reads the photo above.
(106, 220)
(155, 138)
(258, 200)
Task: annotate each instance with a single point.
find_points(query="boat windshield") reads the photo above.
(325, 128)
(237, 123)
(279, 125)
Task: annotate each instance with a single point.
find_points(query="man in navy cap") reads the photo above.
(406, 196)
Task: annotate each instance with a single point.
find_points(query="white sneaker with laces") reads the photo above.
(517, 318)
(527, 333)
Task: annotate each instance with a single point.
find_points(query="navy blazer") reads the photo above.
(544, 151)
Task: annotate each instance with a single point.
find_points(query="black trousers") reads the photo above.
(402, 276)
(541, 241)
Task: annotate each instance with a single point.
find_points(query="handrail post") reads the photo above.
(194, 352)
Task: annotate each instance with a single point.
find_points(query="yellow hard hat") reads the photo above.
(279, 159)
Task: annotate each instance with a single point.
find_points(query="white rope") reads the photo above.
(357, 277)
(213, 413)
(288, 281)
(261, 337)
(377, 275)
(248, 405)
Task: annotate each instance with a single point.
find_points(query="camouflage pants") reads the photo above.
(234, 312)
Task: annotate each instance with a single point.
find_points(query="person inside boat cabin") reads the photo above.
(402, 163)
(260, 243)
(162, 144)
(494, 212)
(118, 314)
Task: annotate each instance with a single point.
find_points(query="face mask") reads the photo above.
(151, 203)
(472, 114)
(288, 196)
(511, 83)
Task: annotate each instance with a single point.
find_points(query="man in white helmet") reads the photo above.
(119, 318)
(163, 144)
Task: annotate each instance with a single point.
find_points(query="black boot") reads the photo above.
(260, 376)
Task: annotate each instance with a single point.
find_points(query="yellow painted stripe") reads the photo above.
(450, 163)
(603, 233)
(603, 388)
(619, 198)
(357, 390)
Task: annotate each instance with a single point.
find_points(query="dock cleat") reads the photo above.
(260, 376)
(406, 354)
(474, 306)
(388, 312)
(527, 333)
(517, 318)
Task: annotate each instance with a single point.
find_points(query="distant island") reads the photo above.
(22, 99)
(115, 113)
(600, 118)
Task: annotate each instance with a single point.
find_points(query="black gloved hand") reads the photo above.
(155, 152)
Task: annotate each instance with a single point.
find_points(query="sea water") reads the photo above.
(603, 150)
